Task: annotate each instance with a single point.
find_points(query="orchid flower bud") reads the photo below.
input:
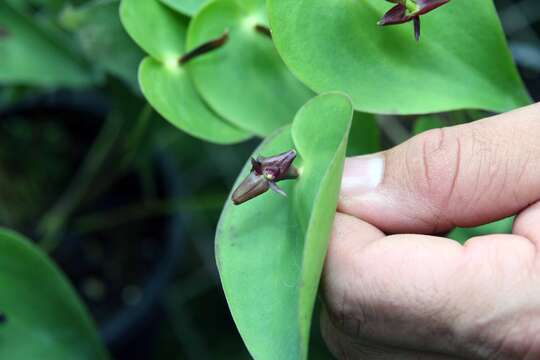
(265, 173)
(252, 186)
(410, 10)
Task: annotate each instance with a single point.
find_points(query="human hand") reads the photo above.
(424, 297)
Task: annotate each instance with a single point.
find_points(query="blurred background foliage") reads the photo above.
(124, 202)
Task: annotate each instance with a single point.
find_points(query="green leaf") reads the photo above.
(103, 39)
(163, 87)
(245, 81)
(427, 122)
(165, 84)
(157, 29)
(270, 250)
(365, 137)
(45, 318)
(437, 121)
(29, 55)
(461, 61)
(186, 7)
(29, 6)
(503, 226)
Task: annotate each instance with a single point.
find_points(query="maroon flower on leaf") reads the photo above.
(409, 10)
(264, 175)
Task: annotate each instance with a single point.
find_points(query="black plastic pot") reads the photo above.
(145, 253)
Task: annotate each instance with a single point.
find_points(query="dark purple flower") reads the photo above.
(409, 10)
(264, 174)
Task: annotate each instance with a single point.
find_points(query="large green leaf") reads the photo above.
(270, 250)
(186, 7)
(162, 87)
(461, 61)
(246, 82)
(165, 83)
(365, 137)
(103, 39)
(45, 318)
(29, 55)
(157, 29)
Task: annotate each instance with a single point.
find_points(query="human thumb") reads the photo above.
(464, 175)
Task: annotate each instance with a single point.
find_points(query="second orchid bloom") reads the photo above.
(409, 10)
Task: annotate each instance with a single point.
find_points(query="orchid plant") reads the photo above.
(270, 249)
(307, 80)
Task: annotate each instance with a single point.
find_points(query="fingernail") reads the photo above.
(362, 174)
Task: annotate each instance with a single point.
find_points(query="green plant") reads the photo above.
(40, 306)
(270, 251)
(306, 75)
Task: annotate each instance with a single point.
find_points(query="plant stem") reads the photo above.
(134, 141)
(394, 130)
(135, 138)
(52, 223)
(139, 211)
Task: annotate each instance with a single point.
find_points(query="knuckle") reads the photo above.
(433, 163)
(346, 311)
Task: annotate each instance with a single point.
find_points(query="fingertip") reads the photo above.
(527, 224)
(350, 235)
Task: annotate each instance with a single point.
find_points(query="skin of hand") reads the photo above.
(393, 290)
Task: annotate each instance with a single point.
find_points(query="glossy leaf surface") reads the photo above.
(166, 85)
(270, 250)
(172, 94)
(186, 7)
(45, 318)
(462, 60)
(245, 81)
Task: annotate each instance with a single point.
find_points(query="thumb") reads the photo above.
(465, 175)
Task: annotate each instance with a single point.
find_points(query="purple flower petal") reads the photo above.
(399, 13)
(277, 166)
(396, 15)
(416, 21)
(265, 173)
(426, 6)
(252, 186)
(277, 189)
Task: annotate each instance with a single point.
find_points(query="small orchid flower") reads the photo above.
(265, 173)
(409, 10)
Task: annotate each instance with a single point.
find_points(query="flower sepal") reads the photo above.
(264, 175)
(409, 10)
